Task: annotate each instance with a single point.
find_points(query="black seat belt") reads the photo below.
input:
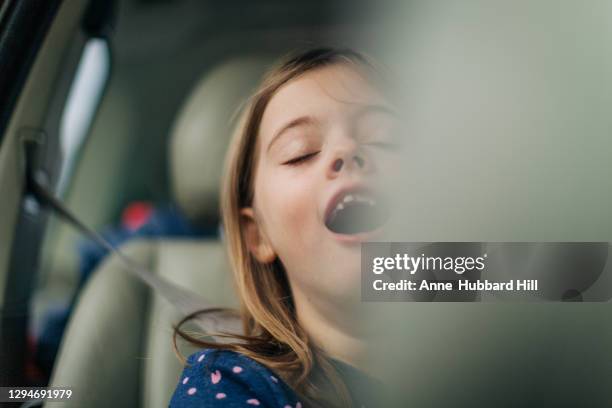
(184, 300)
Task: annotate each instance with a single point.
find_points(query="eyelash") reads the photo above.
(300, 159)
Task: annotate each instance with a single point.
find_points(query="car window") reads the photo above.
(83, 99)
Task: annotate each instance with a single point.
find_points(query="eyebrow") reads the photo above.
(376, 109)
(301, 121)
(309, 120)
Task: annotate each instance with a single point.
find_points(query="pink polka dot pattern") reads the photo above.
(221, 378)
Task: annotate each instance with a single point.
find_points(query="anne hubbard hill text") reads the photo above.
(459, 265)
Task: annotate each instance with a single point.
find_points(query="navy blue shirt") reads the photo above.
(223, 378)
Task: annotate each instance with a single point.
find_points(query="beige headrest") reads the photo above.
(202, 131)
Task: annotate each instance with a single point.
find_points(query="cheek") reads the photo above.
(288, 204)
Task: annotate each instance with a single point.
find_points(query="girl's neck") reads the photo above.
(333, 330)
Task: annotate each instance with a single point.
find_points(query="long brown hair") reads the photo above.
(272, 335)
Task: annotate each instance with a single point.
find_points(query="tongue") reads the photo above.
(356, 218)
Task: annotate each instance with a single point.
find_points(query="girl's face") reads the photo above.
(324, 140)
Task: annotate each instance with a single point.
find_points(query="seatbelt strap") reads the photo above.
(184, 300)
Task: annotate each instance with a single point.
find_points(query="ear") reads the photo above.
(256, 241)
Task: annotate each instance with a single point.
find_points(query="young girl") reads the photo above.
(299, 196)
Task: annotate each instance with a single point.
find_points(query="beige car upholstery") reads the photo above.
(201, 135)
(117, 348)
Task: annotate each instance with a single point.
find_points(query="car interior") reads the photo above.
(123, 109)
(148, 89)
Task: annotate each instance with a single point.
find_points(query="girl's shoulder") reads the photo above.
(224, 378)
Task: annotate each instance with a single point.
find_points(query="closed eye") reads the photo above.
(300, 159)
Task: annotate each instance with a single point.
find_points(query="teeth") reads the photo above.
(354, 197)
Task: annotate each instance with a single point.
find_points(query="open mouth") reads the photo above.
(355, 213)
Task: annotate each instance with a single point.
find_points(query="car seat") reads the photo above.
(117, 348)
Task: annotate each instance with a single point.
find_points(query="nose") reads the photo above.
(349, 161)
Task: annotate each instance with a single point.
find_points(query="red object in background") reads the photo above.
(136, 214)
